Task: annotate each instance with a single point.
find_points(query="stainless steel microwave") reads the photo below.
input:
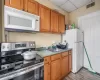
(15, 19)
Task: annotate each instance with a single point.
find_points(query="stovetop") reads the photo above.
(23, 64)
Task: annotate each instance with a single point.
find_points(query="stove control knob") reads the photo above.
(3, 68)
(8, 67)
(31, 44)
(3, 47)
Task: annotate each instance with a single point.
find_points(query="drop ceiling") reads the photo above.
(70, 5)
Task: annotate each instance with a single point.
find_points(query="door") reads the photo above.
(44, 14)
(47, 71)
(90, 24)
(18, 4)
(64, 66)
(54, 21)
(79, 55)
(61, 23)
(32, 6)
(56, 70)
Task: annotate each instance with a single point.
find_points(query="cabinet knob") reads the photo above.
(45, 59)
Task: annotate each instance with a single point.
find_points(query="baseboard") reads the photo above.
(95, 73)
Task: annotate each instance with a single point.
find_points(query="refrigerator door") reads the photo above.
(79, 35)
(78, 57)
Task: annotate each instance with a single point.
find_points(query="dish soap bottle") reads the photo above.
(73, 26)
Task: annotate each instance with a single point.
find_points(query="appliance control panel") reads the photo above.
(17, 46)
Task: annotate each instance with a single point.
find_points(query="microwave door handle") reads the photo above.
(36, 22)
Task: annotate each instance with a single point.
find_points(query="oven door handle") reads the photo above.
(21, 71)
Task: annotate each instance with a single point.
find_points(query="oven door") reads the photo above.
(36, 74)
(31, 73)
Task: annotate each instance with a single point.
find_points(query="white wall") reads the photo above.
(73, 16)
(91, 26)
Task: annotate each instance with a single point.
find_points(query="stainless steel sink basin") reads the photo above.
(54, 50)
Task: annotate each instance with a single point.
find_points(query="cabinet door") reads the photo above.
(32, 6)
(56, 69)
(54, 21)
(64, 66)
(44, 14)
(47, 72)
(70, 62)
(61, 23)
(18, 4)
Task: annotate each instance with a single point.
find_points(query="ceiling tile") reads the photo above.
(58, 2)
(80, 3)
(68, 6)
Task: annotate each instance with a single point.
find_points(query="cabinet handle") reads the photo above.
(45, 59)
(10, 1)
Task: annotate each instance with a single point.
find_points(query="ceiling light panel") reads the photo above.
(58, 2)
(68, 6)
(80, 3)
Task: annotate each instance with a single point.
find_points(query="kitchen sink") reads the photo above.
(54, 50)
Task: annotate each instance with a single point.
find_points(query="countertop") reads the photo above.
(46, 53)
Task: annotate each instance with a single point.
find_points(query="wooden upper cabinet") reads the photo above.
(54, 21)
(47, 72)
(61, 23)
(56, 69)
(44, 14)
(31, 6)
(18, 4)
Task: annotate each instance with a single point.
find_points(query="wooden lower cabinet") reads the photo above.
(70, 62)
(47, 71)
(56, 69)
(64, 67)
(58, 66)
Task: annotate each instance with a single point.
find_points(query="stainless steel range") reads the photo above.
(14, 67)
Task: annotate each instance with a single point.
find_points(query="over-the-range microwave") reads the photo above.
(15, 19)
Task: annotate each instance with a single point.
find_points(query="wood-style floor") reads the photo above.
(83, 74)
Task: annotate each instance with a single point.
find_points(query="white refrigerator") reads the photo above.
(74, 38)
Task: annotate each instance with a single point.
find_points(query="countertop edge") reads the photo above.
(52, 53)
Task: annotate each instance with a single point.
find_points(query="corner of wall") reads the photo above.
(1, 20)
